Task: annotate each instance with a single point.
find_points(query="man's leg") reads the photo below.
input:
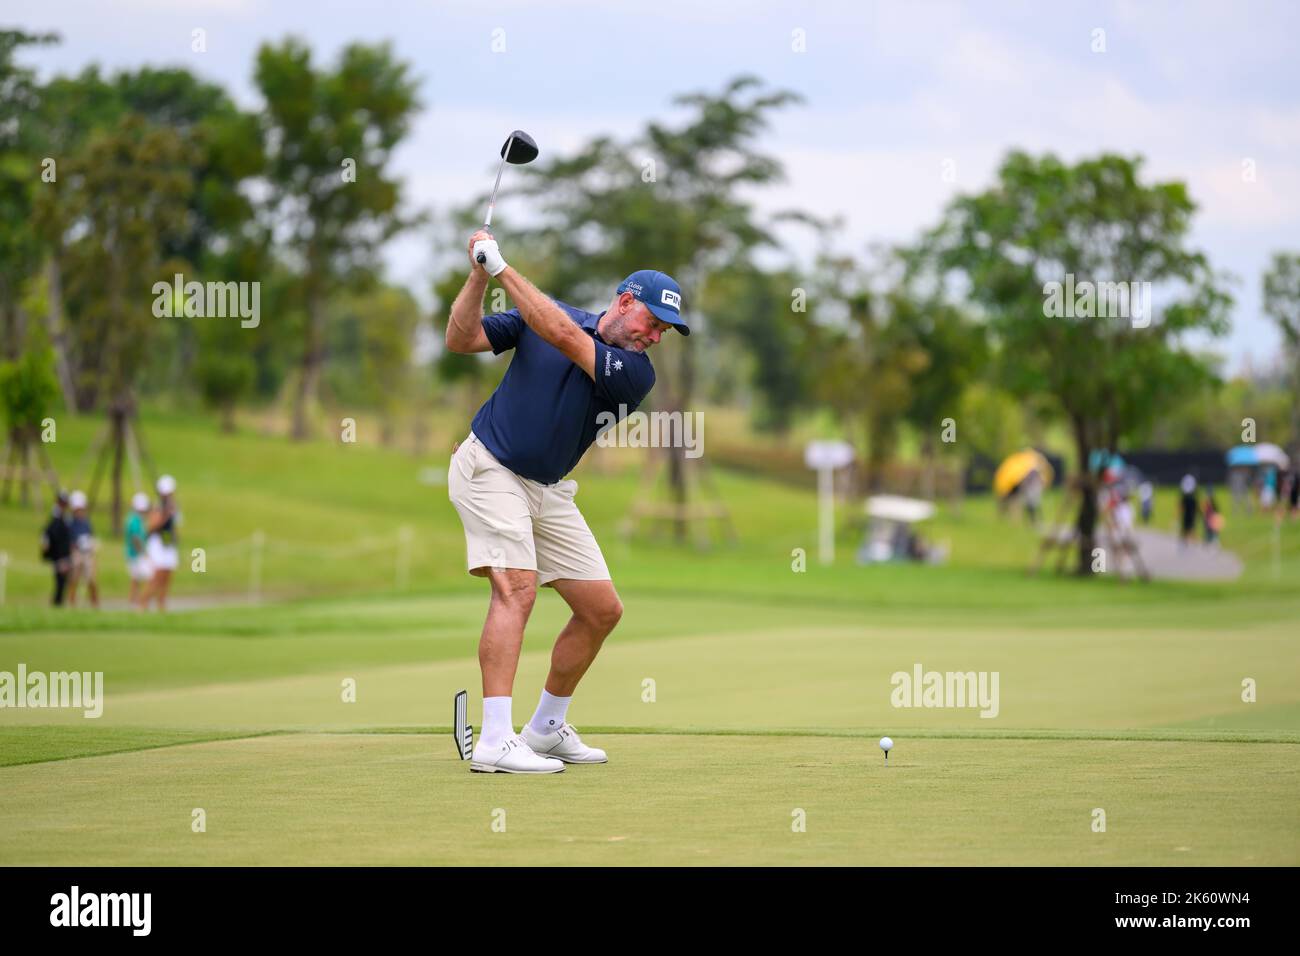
(498, 749)
(513, 593)
(596, 609)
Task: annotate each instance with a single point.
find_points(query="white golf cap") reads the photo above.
(140, 501)
(77, 499)
(166, 485)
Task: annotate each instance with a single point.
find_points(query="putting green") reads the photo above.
(663, 799)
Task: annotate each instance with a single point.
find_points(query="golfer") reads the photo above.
(522, 527)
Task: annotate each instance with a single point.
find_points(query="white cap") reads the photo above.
(140, 501)
(77, 499)
(166, 485)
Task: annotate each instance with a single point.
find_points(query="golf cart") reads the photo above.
(890, 535)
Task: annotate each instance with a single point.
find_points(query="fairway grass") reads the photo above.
(347, 799)
(737, 689)
(722, 718)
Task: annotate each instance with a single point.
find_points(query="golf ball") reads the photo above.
(886, 744)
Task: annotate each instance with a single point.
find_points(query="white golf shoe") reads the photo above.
(563, 744)
(513, 756)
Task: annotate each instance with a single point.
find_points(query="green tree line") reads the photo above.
(113, 183)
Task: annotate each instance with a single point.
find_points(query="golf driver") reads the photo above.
(518, 149)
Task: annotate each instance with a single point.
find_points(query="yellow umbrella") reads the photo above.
(1015, 469)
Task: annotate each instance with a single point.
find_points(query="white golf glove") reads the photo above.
(492, 260)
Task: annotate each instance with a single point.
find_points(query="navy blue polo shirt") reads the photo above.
(542, 417)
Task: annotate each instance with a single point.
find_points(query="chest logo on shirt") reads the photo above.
(618, 363)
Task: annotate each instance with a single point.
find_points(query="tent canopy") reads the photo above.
(899, 508)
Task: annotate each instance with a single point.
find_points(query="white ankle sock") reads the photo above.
(497, 725)
(550, 713)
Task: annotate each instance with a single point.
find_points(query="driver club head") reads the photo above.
(519, 148)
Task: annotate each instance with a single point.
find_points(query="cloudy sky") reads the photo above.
(896, 92)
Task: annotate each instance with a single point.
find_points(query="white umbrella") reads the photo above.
(1270, 454)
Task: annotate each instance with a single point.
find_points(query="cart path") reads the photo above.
(1166, 557)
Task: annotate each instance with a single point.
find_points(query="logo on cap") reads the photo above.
(671, 298)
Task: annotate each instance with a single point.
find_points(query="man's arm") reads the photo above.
(550, 321)
(465, 322)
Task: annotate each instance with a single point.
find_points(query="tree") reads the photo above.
(372, 335)
(213, 236)
(955, 351)
(20, 182)
(753, 312)
(224, 371)
(992, 422)
(28, 390)
(1282, 304)
(131, 187)
(863, 336)
(1045, 221)
(71, 110)
(329, 136)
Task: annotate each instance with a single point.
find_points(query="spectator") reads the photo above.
(1268, 490)
(163, 541)
(56, 546)
(138, 565)
(1213, 518)
(1189, 507)
(1121, 515)
(83, 551)
(1031, 490)
(1147, 497)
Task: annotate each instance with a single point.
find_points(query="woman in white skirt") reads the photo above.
(163, 541)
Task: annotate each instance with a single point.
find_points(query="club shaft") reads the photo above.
(492, 199)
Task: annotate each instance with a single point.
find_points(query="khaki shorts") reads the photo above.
(515, 522)
(83, 565)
